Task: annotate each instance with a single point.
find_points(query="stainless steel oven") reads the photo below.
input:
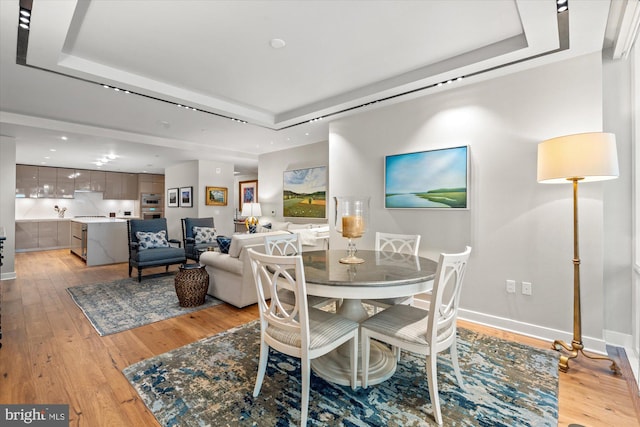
(151, 200)
(151, 213)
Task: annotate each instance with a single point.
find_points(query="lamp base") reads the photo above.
(576, 348)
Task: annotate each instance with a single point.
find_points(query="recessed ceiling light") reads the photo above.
(52, 149)
(64, 138)
(277, 43)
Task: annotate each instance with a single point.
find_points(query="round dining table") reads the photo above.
(381, 275)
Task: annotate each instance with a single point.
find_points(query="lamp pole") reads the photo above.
(576, 346)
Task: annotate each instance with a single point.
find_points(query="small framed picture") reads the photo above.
(186, 197)
(216, 196)
(248, 192)
(172, 197)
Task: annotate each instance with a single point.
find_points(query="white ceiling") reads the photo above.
(215, 57)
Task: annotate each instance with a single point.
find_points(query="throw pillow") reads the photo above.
(149, 239)
(204, 234)
(224, 243)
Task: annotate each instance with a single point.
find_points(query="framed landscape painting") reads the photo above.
(305, 193)
(216, 196)
(186, 197)
(434, 179)
(172, 197)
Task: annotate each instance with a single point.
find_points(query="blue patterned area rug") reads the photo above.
(126, 304)
(210, 383)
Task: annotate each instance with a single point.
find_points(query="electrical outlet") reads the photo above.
(526, 288)
(511, 286)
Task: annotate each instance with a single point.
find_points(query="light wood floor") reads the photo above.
(51, 354)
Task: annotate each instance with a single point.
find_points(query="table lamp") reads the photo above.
(570, 159)
(251, 211)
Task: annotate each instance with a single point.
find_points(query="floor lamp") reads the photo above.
(582, 157)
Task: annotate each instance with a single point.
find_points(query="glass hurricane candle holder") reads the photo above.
(352, 220)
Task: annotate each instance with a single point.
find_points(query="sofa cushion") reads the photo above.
(223, 243)
(277, 225)
(149, 240)
(204, 234)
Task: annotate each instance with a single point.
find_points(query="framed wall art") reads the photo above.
(172, 197)
(216, 196)
(434, 179)
(304, 193)
(248, 193)
(186, 197)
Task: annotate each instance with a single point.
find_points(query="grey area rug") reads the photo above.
(126, 304)
(210, 383)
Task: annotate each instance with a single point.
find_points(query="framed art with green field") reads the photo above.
(434, 179)
(305, 193)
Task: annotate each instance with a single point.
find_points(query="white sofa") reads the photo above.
(230, 277)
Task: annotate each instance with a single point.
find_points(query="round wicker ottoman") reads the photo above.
(192, 282)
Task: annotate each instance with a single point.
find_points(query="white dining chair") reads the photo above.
(298, 331)
(397, 243)
(421, 331)
(287, 245)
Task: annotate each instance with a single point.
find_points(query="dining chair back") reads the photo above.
(421, 331)
(282, 244)
(396, 243)
(287, 245)
(402, 243)
(296, 330)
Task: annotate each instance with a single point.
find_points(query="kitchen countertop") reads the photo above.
(43, 219)
(97, 220)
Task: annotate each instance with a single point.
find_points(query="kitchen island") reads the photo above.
(100, 241)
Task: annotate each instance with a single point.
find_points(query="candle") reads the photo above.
(352, 226)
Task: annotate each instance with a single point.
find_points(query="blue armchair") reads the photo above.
(150, 246)
(195, 241)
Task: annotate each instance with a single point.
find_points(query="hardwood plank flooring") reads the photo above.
(51, 354)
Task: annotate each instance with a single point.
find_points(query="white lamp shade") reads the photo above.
(588, 156)
(251, 209)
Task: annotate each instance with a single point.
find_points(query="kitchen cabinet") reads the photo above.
(83, 180)
(41, 235)
(130, 186)
(47, 234)
(64, 234)
(90, 180)
(121, 186)
(101, 240)
(151, 183)
(26, 181)
(65, 183)
(47, 178)
(44, 182)
(98, 181)
(26, 235)
(113, 186)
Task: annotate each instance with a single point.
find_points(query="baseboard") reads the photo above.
(594, 345)
(8, 276)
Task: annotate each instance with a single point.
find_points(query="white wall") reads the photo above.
(7, 204)
(270, 174)
(518, 229)
(200, 174)
(617, 202)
